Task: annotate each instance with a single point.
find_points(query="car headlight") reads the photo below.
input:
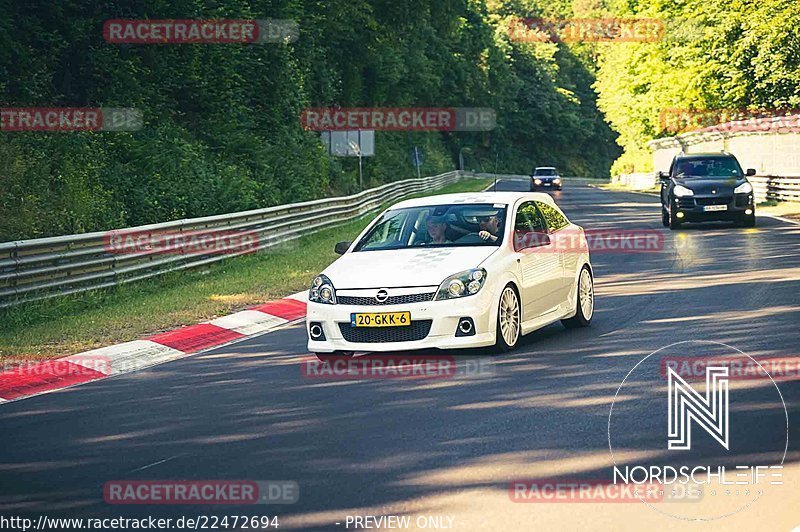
(466, 283)
(682, 191)
(322, 291)
(537, 181)
(556, 180)
(744, 188)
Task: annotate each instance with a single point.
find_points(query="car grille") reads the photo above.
(713, 201)
(685, 203)
(742, 200)
(392, 300)
(418, 330)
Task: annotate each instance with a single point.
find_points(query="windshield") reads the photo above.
(437, 226)
(708, 167)
(545, 171)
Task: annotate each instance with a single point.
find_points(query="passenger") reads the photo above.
(437, 227)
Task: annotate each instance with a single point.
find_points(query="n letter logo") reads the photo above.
(686, 405)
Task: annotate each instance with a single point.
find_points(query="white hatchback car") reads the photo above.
(448, 272)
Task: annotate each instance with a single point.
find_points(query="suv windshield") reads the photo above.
(545, 171)
(708, 167)
(474, 224)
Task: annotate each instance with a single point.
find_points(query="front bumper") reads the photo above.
(694, 208)
(442, 315)
(549, 183)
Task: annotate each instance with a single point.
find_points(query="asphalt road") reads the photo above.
(446, 447)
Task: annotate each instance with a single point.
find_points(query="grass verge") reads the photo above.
(617, 187)
(68, 325)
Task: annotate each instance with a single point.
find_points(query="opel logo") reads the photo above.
(381, 296)
(713, 190)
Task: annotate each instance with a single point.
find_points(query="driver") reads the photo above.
(489, 227)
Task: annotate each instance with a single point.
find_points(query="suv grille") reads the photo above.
(418, 330)
(392, 300)
(724, 200)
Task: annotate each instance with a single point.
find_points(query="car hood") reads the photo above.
(707, 186)
(404, 267)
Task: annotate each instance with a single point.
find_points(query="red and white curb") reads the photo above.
(27, 380)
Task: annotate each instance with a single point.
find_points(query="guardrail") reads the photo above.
(776, 188)
(42, 268)
(640, 181)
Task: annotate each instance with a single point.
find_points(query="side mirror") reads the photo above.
(750, 171)
(663, 176)
(530, 239)
(342, 247)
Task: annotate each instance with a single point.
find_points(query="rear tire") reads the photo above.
(336, 355)
(585, 301)
(509, 321)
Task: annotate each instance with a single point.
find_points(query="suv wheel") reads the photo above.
(674, 222)
(748, 221)
(664, 217)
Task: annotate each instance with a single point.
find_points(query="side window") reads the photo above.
(527, 222)
(552, 217)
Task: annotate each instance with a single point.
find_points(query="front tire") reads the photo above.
(508, 320)
(664, 217)
(585, 304)
(748, 221)
(674, 222)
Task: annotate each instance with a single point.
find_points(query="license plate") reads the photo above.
(715, 208)
(548, 184)
(380, 319)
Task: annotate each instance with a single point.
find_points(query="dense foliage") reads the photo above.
(716, 57)
(222, 129)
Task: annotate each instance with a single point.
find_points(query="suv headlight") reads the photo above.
(557, 180)
(466, 283)
(537, 181)
(322, 291)
(744, 188)
(682, 191)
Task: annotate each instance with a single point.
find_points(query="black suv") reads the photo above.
(706, 186)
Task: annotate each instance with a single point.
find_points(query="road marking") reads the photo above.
(153, 464)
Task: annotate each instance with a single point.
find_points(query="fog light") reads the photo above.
(679, 215)
(465, 327)
(748, 212)
(315, 331)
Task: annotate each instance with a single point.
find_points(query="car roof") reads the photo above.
(545, 168)
(714, 155)
(507, 198)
